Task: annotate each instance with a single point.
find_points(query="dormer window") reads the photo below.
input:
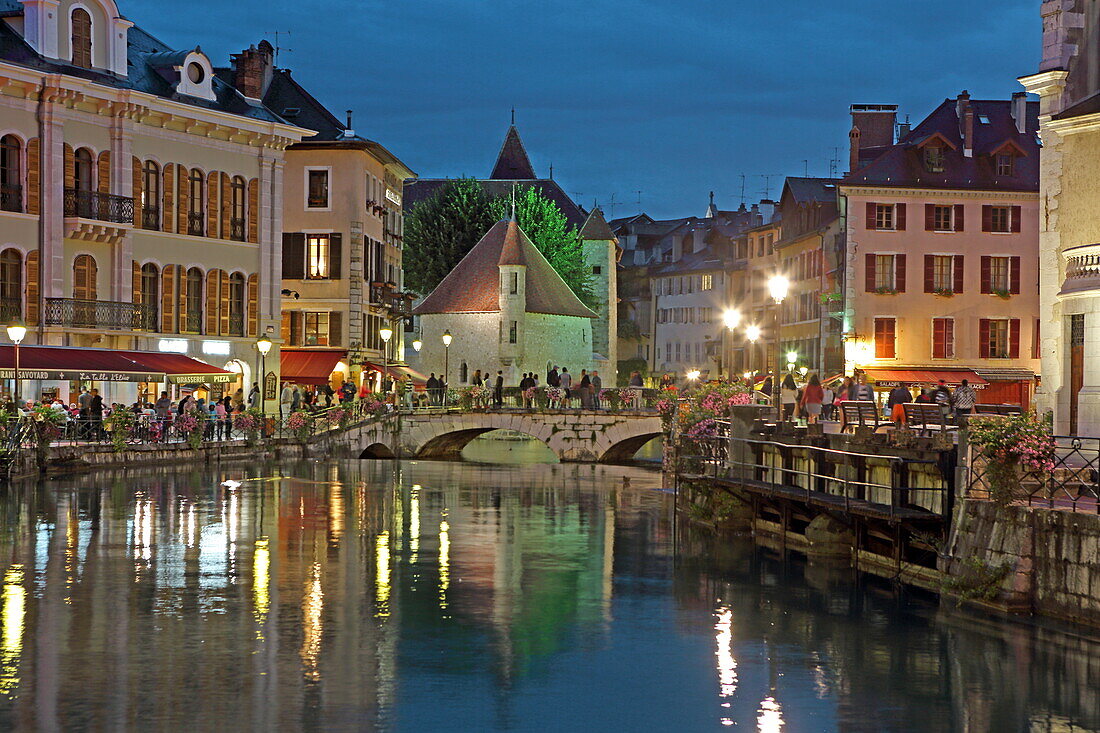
(933, 159)
(194, 74)
(82, 38)
(1006, 164)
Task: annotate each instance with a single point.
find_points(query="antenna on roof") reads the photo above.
(767, 183)
(806, 168)
(834, 163)
(639, 202)
(513, 116)
(742, 188)
(551, 171)
(278, 46)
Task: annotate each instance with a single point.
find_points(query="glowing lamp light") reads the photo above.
(803, 371)
(263, 346)
(693, 374)
(17, 331)
(778, 287)
(792, 357)
(753, 333)
(386, 333)
(747, 375)
(732, 317)
(447, 338)
(417, 345)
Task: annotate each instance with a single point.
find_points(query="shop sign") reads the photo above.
(271, 386)
(393, 196)
(216, 348)
(76, 375)
(201, 378)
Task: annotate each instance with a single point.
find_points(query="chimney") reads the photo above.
(903, 129)
(1019, 111)
(349, 130)
(253, 69)
(968, 132)
(961, 103)
(872, 127)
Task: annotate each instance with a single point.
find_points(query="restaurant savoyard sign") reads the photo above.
(70, 375)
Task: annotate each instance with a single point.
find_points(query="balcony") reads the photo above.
(236, 324)
(1082, 270)
(10, 309)
(102, 314)
(99, 206)
(236, 229)
(150, 218)
(11, 198)
(196, 222)
(191, 322)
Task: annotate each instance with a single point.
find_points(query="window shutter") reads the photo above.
(871, 215)
(135, 280)
(227, 206)
(181, 298)
(983, 338)
(104, 170)
(938, 339)
(959, 273)
(223, 311)
(254, 211)
(34, 176)
(80, 278)
(929, 273)
(294, 256)
(960, 218)
(70, 166)
(986, 266)
(949, 338)
(167, 211)
(335, 337)
(869, 259)
(899, 273)
(284, 327)
(168, 299)
(1014, 275)
(1014, 338)
(212, 204)
(899, 217)
(32, 288)
(212, 290)
(1036, 349)
(929, 217)
(183, 199)
(1016, 223)
(93, 279)
(253, 305)
(335, 260)
(296, 328)
(987, 218)
(135, 176)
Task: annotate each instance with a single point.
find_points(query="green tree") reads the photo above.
(443, 228)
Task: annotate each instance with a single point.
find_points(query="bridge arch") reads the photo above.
(377, 450)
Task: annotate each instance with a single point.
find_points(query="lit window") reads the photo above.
(315, 329)
(318, 189)
(708, 282)
(943, 273)
(317, 257)
(1000, 269)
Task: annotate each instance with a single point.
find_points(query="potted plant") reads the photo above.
(1014, 448)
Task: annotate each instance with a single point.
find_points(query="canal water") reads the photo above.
(419, 596)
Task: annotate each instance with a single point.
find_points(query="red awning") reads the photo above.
(399, 371)
(927, 377)
(106, 365)
(309, 367)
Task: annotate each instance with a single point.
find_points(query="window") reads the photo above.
(82, 38)
(885, 338)
(943, 338)
(884, 216)
(236, 304)
(943, 218)
(513, 283)
(317, 257)
(513, 332)
(996, 338)
(236, 215)
(943, 273)
(11, 178)
(83, 173)
(933, 159)
(708, 283)
(597, 270)
(196, 220)
(318, 189)
(150, 196)
(677, 351)
(1006, 164)
(884, 272)
(999, 274)
(1000, 219)
(192, 300)
(85, 274)
(464, 373)
(315, 329)
(11, 283)
(150, 294)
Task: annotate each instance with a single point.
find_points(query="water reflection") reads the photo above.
(431, 596)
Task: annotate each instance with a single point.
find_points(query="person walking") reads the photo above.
(295, 399)
(498, 391)
(898, 396)
(941, 395)
(828, 398)
(964, 400)
(565, 382)
(597, 387)
(254, 396)
(585, 388)
(788, 396)
(863, 391)
(813, 400)
(95, 410)
(433, 389)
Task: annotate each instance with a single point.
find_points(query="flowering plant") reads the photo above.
(1006, 442)
(529, 393)
(555, 394)
(337, 415)
(630, 395)
(249, 423)
(300, 424)
(190, 426)
(46, 426)
(120, 424)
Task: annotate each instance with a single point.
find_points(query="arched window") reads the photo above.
(237, 222)
(85, 274)
(150, 295)
(11, 175)
(82, 38)
(464, 373)
(11, 284)
(150, 196)
(236, 304)
(84, 170)
(195, 217)
(193, 301)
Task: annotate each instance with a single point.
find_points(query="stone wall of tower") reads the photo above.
(600, 255)
(513, 310)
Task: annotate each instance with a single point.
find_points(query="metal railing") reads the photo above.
(10, 309)
(150, 218)
(513, 400)
(237, 229)
(11, 197)
(191, 322)
(99, 314)
(196, 223)
(1072, 484)
(236, 324)
(99, 206)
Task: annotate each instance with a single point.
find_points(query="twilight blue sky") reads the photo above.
(670, 97)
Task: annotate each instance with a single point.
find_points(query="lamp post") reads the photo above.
(778, 286)
(732, 318)
(753, 335)
(263, 346)
(16, 331)
(446, 363)
(386, 333)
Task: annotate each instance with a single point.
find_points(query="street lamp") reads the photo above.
(16, 332)
(263, 346)
(446, 363)
(753, 334)
(732, 318)
(386, 333)
(417, 345)
(778, 286)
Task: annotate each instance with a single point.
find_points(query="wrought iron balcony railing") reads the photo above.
(236, 229)
(236, 324)
(196, 222)
(106, 314)
(150, 218)
(191, 322)
(99, 206)
(10, 309)
(11, 197)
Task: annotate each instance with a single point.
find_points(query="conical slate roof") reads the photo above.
(513, 163)
(596, 228)
(473, 286)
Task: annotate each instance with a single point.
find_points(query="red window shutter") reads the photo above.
(869, 259)
(938, 334)
(987, 218)
(1036, 350)
(929, 273)
(929, 217)
(899, 216)
(872, 210)
(960, 217)
(983, 338)
(986, 265)
(1016, 211)
(899, 273)
(1014, 275)
(959, 273)
(949, 338)
(891, 338)
(1014, 338)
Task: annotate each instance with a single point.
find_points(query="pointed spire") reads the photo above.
(513, 116)
(513, 202)
(512, 162)
(596, 227)
(712, 210)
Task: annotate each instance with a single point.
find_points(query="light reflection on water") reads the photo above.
(437, 596)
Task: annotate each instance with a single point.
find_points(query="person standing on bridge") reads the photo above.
(552, 379)
(597, 387)
(498, 391)
(964, 399)
(565, 381)
(585, 388)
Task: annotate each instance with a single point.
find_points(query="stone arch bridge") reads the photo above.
(600, 437)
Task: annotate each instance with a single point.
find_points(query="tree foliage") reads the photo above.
(442, 229)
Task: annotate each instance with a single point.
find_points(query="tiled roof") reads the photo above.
(288, 99)
(821, 190)
(596, 228)
(902, 164)
(473, 286)
(512, 162)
